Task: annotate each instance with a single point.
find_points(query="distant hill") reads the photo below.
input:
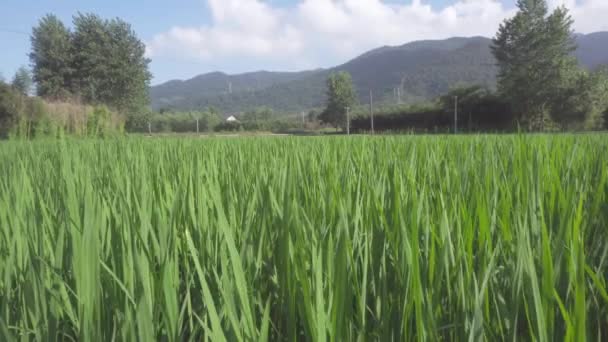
(592, 49)
(426, 69)
(217, 84)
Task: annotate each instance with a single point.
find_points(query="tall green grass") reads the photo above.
(290, 239)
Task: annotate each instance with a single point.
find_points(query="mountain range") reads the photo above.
(422, 70)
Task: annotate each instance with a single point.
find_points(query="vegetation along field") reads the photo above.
(305, 239)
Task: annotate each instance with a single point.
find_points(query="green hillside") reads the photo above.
(424, 70)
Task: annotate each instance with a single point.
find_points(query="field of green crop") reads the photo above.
(305, 239)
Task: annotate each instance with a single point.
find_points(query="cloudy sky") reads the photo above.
(189, 37)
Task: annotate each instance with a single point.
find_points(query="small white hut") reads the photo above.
(231, 118)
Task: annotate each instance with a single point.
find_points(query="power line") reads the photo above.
(13, 31)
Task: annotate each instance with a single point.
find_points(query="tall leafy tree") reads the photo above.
(582, 104)
(22, 81)
(340, 95)
(533, 51)
(50, 57)
(109, 63)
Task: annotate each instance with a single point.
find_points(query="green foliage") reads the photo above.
(480, 238)
(18, 113)
(312, 115)
(258, 114)
(23, 117)
(11, 105)
(259, 119)
(184, 122)
(22, 81)
(99, 122)
(534, 54)
(582, 103)
(51, 58)
(30, 111)
(479, 109)
(341, 97)
(109, 63)
(468, 98)
(48, 128)
(102, 63)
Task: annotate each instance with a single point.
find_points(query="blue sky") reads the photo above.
(189, 37)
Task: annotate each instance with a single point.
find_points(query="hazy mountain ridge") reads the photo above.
(425, 68)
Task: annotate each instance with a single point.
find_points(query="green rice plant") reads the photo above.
(305, 239)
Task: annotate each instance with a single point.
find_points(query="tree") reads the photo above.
(478, 108)
(51, 58)
(22, 81)
(258, 114)
(582, 104)
(12, 107)
(209, 120)
(468, 98)
(109, 63)
(533, 51)
(340, 96)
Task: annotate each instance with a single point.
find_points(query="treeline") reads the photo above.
(98, 69)
(210, 120)
(266, 120)
(479, 110)
(541, 87)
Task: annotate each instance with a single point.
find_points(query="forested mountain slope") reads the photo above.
(424, 70)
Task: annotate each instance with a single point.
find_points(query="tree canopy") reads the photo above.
(538, 74)
(100, 62)
(22, 81)
(109, 63)
(340, 96)
(51, 58)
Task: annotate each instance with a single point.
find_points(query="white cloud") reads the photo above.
(318, 32)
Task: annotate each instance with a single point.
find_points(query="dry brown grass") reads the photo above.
(73, 117)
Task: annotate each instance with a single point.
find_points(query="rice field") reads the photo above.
(412, 238)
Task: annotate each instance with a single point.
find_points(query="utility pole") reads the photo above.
(347, 121)
(196, 126)
(371, 108)
(149, 128)
(455, 114)
(303, 120)
(400, 88)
